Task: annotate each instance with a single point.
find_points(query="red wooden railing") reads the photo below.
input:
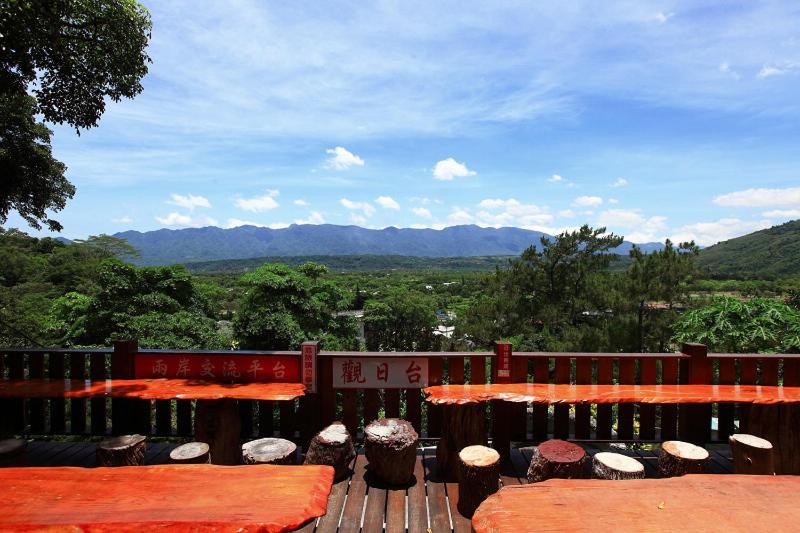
(357, 407)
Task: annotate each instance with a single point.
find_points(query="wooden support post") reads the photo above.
(311, 415)
(501, 419)
(752, 455)
(478, 477)
(695, 419)
(217, 423)
(462, 426)
(127, 415)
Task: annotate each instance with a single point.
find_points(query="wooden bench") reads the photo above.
(688, 503)
(175, 497)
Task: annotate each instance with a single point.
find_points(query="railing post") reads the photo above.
(695, 419)
(127, 415)
(310, 403)
(501, 419)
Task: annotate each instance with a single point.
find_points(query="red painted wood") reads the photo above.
(541, 374)
(232, 367)
(669, 413)
(455, 370)
(414, 409)
(55, 364)
(349, 411)
(748, 369)
(326, 392)
(727, 376)
(435, 372)
(647, 412)
(583, 423)
(77, 370)
(97, 368)
(627, 376)
(149, 389)
(561, 411)
(391, 398)
(519, 412)
(555, 394)
(688, 503)
(477, 369)
(36, 405)
(240, 498)
(605, 376)
(371, 407)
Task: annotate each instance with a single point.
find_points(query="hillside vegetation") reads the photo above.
(769, 253)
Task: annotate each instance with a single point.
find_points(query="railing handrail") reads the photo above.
(603, 355)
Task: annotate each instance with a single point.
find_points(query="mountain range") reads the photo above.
(166, 246)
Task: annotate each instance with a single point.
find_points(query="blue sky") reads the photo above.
(655, 119)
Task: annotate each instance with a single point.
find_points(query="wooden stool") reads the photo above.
(269, 451)
(607, 465)
(191, 453)
(478, 477)
(556, 459)
(127, 450)
(462, 426)
(12, 452)
(680, 458)
(752, 455)
(390, 445)
(333, 447)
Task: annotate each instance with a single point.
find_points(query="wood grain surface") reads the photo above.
(179, 498)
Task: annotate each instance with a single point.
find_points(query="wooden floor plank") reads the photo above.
(354, 504)
(329, 523)
(461, 524)
(375, 506)
(437, 499)
(396, 510)
(417, 500)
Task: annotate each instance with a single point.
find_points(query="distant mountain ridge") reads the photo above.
(166, 246)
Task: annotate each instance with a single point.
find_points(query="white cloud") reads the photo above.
(179, 220)
(613, 201)
(300, 202)
(421, 212)
(566, 213)
(235, 223)
(783, 213)
(387, 202)
(459, 216)
(189, 202)
(259, 203)
(555, 178)
(314, 218)
(365, 207)
(708, 233)
(587, 201)
(449, 168)
(635, 226)
(662, 17)
(511, 212)
(776, 70)
(358, 220)
(122, 220)
(342, 159)
(619, 182)
(760, 198)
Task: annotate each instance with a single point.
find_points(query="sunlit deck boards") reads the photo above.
(362, 504)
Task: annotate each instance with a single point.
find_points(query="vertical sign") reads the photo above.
(503, 351)
(309, 362)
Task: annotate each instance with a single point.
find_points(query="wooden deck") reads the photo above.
(362, 503)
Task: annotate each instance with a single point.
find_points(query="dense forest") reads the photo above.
(566, 294)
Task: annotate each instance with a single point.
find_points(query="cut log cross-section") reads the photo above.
(462, 426)
(127, 450)
(556, 459)
(217, 423)
(752, 455)
(478, 477)
(680, 458)
(608, 465)
(332, 446)
(191, 453)
(390, 445)
(269, 451)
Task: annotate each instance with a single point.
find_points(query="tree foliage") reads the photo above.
(403, 321)
(72, 56)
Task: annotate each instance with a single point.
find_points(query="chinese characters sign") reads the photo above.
(309, 358)
(503, 360)
(239, 368)
(382, 373)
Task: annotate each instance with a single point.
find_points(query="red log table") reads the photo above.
(179, 498)
(709, 503)
(217, 416)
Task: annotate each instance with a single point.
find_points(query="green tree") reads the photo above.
(72, 56)
(283, 307)
(403, 321)
(730, 325)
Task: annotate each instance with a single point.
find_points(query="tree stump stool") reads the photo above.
(217, 423)
(778, 425)
(269, 451)
(462, 426)
(752, 455)
(390, 445)
(608, 465)
(12, 452)
(478, 477)
(333, 447)
(191, 453)
(680, 458)
(556, 459)
(127, 450)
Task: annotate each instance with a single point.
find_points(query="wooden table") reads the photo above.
(708, 503)
(217, 420)
(176, 497)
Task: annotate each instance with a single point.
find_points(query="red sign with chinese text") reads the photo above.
(380, 373)
(503, 360)
(309, 357)
(238, 368)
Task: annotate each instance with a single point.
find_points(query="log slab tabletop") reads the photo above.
(149, 389)
(709, 503)
(544, 393)
(262, 498)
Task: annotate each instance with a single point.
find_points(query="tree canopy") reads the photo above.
(71, 56)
